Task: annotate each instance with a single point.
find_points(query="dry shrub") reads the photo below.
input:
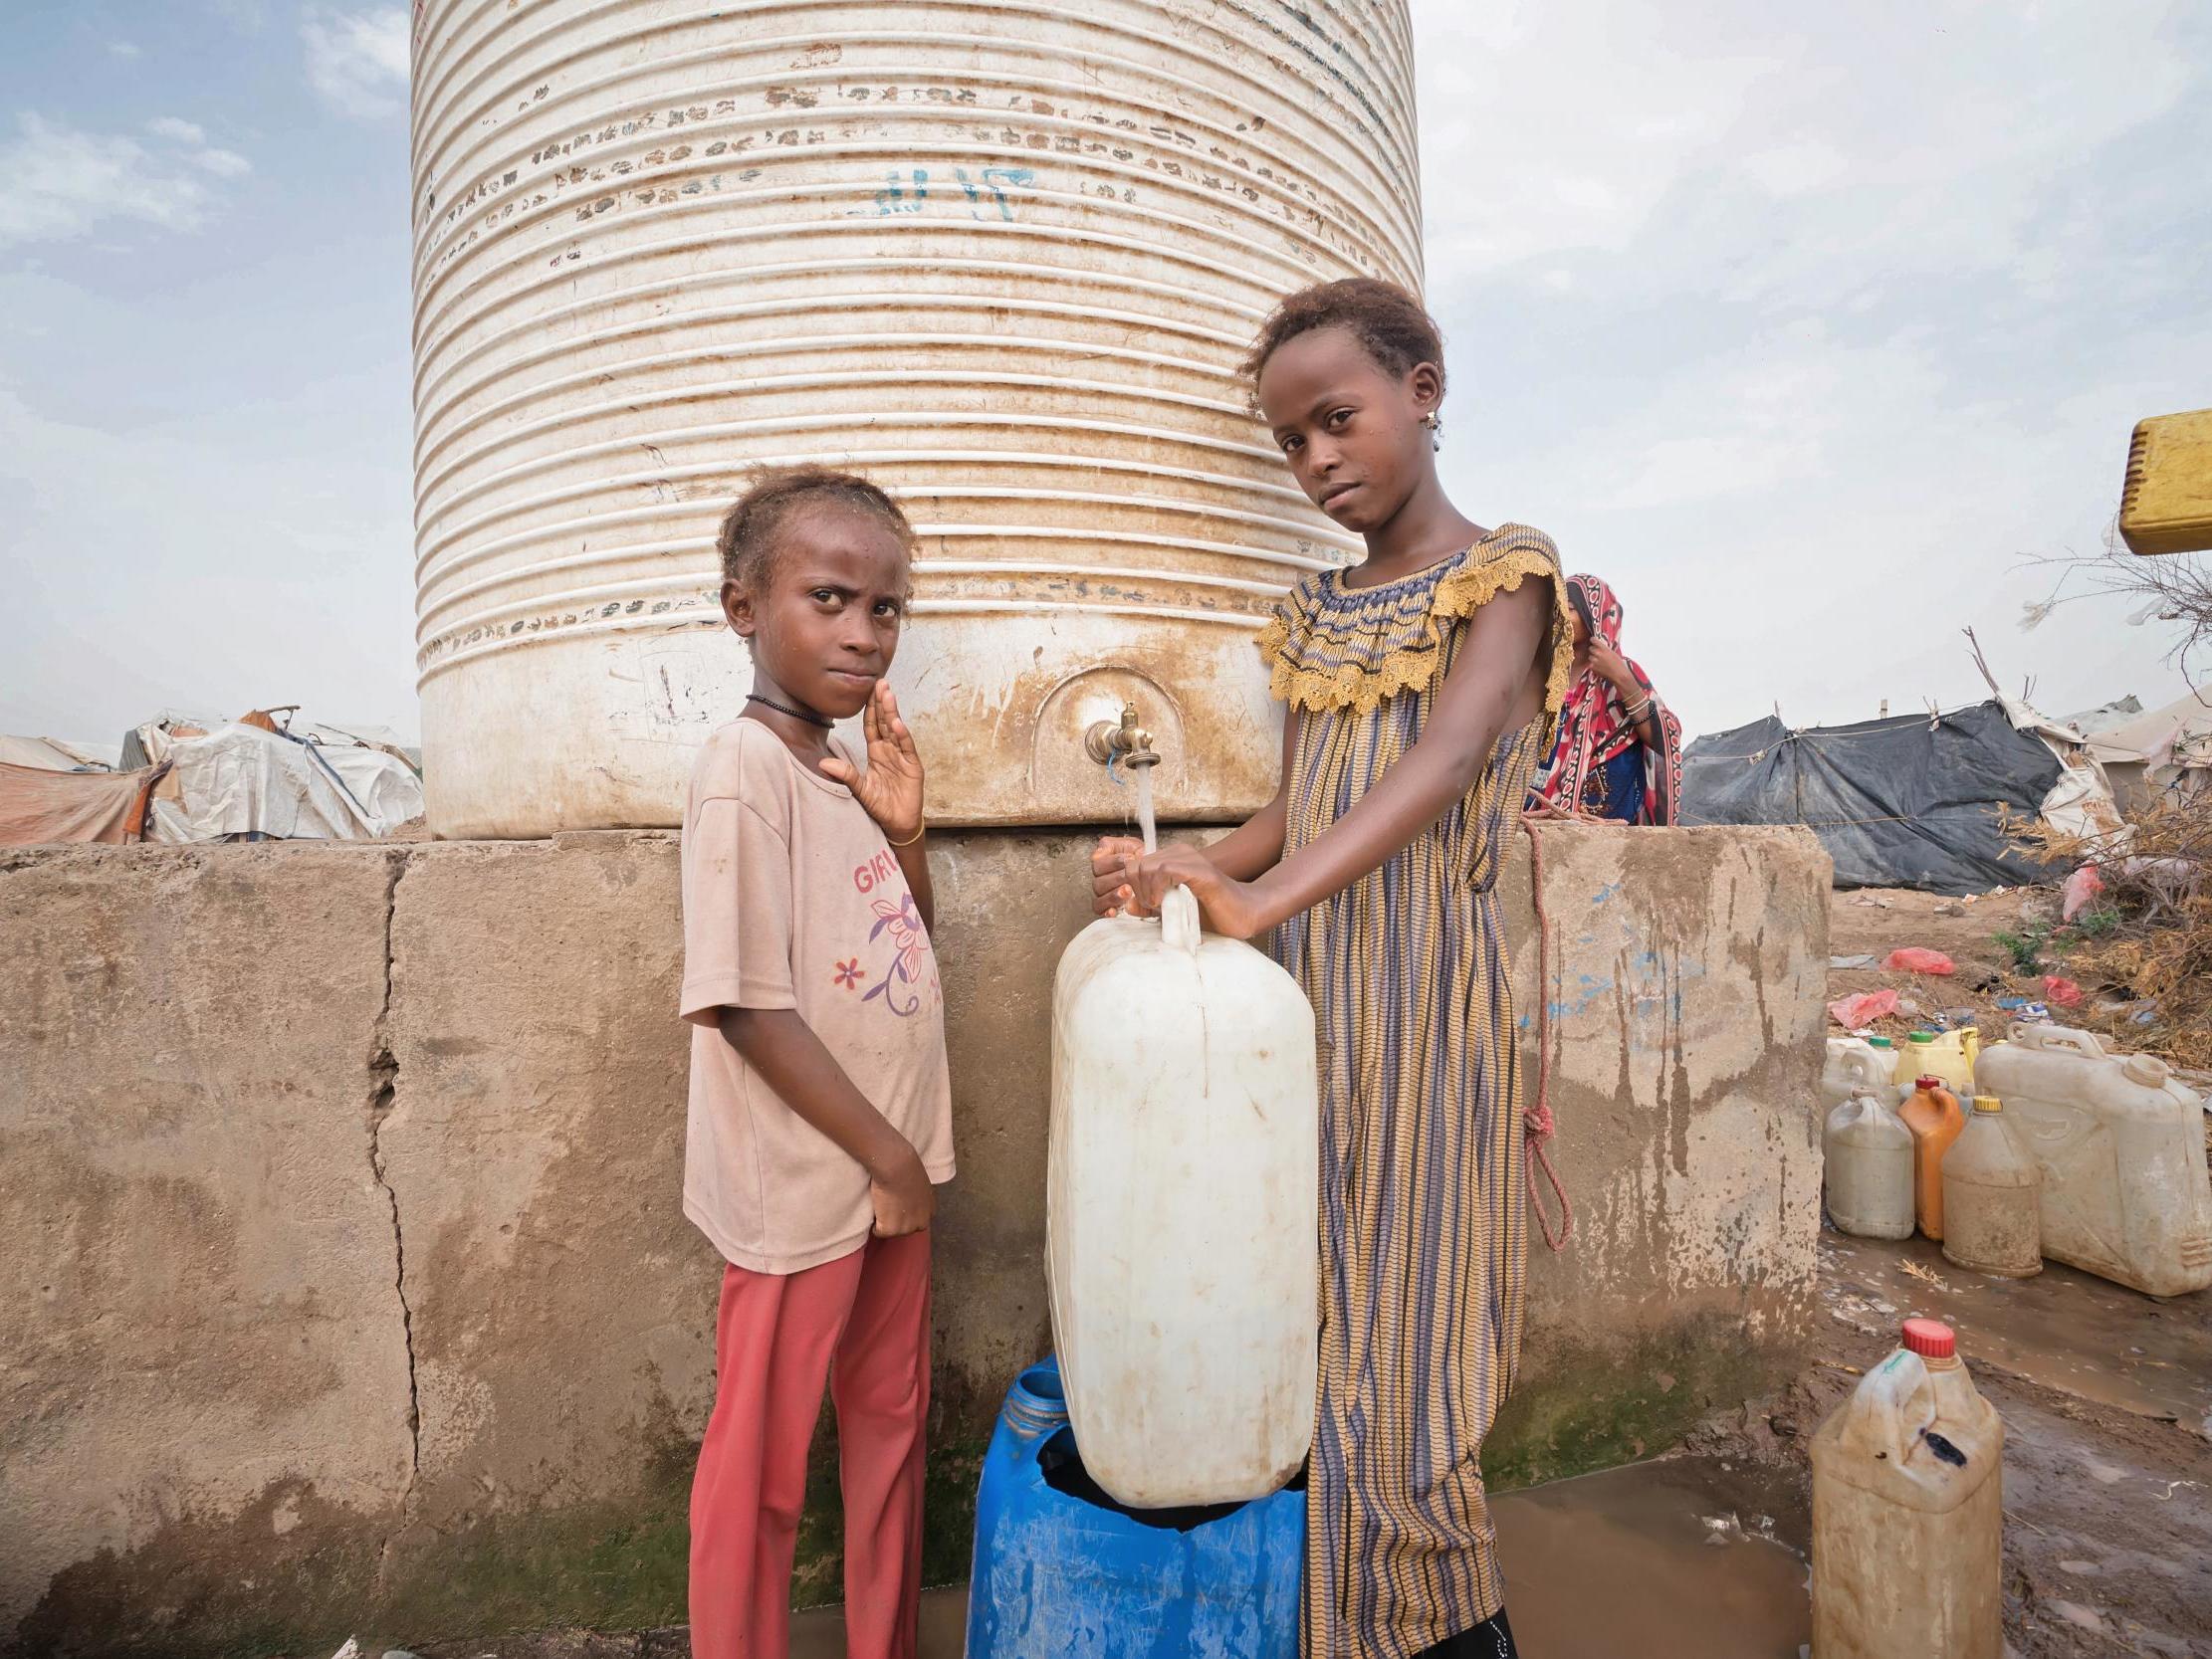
(2148, 936)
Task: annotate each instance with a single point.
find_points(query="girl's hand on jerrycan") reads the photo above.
(1230, 908)
(1125, 882)
(1113, 865)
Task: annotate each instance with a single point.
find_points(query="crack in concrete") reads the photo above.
(383, 1070)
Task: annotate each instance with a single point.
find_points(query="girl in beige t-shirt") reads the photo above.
(821, 1114)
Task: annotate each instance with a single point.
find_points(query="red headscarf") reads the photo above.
(1594, 727)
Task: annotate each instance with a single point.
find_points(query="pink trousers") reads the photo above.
(861, 1322)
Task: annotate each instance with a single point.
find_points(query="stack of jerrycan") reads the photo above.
(1182, 1199)
(2120, 1149)
(1907, 1512)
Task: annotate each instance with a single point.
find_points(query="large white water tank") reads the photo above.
(1003, 257)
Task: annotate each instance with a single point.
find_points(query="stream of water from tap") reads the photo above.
(1147, 826)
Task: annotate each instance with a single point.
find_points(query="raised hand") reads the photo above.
(891, 788)
(1613, 668)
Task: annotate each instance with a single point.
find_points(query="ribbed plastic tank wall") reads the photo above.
(1002, 257)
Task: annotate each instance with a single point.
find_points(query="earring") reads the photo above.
(1435, 423)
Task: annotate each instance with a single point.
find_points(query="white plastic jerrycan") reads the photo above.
(1909, 1511)
(1182, 1210)
(1868, 1167)
(2121, 1147)
(1855, 1063)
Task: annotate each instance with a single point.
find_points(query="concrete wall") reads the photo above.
(348, 1287)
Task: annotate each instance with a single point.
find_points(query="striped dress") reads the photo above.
(1422, 1207)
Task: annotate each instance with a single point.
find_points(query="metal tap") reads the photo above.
(1128, 743)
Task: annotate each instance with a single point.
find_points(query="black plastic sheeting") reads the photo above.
(1907, 802)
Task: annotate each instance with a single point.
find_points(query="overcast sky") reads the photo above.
(1805, 333)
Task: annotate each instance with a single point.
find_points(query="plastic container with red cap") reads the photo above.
(1930, 1339)
(1907, 1511)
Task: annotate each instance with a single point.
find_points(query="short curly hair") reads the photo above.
(1389, 325)
(754, 525)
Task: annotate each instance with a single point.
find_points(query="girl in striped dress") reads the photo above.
(1421, 687)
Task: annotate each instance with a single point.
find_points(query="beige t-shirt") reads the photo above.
(792, 899)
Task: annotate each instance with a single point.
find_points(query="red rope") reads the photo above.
(1536, 1119)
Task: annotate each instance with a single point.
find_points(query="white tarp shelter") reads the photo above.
(241, 781)
(55, 756)
(2168, 751)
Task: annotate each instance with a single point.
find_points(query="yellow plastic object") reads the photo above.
(2165, 506)
(1942, 1054)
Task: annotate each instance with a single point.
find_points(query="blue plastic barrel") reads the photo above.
(1062, 1572)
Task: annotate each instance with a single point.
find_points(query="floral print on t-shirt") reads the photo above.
(909, 984)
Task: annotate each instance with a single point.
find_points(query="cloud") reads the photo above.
(1807, 328)
(1799, 161)
(125, 49)
(58, 182)
(223, 163)
(192, 140)
(358, 61)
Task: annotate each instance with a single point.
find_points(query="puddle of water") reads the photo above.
(2066, 1329)
(1686, 1559)
(819, 1634)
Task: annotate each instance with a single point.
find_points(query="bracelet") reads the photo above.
(910, 840)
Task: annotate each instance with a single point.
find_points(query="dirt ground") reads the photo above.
(2106, 1398)
(1877, 921)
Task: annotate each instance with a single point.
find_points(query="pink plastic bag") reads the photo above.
(1913, 959)
(2065, 992)
(2081, 886)
(1852, 1012)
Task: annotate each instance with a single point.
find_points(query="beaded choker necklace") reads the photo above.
(786, 708)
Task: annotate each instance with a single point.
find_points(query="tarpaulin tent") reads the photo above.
(39, 804)
(2105, 715)
(55, 756)
(241, 781)
(1913, 801)
(2168, 752)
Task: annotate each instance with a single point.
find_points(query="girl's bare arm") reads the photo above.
(779, 1045)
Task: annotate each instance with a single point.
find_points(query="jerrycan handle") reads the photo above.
(1179, 919)
(2061, 1037)
(1865, 1070)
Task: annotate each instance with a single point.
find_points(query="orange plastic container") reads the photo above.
(1935, 1119)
